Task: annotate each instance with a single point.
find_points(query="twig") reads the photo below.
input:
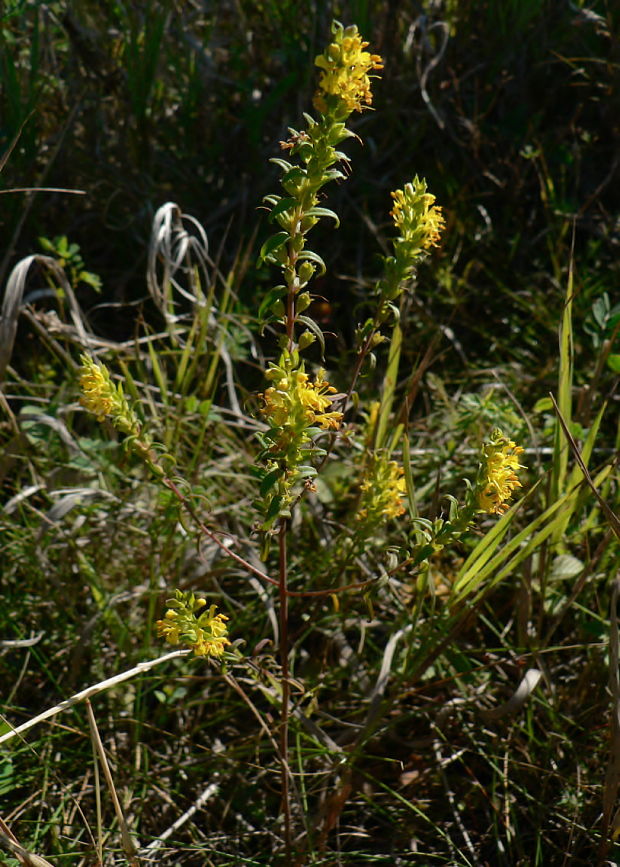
(614, 521)
(129, 847)
(360, 585)
(89, 692)
(200, 801)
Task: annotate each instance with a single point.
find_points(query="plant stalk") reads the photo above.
(286, 804)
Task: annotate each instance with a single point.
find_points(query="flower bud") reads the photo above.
(303, 302)
(306, 339)
(306, 270)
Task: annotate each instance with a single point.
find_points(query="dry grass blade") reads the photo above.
(129, 847)
(5, 156)
(13, 302)
(9, 841)
(211, 790)
(517, 700)
(179, 251)
(88, 692)
(44, 190)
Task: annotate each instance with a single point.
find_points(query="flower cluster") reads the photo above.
(344, 84)
(498, 475)
(383, 489)
(419, 223)
(104, 399)
(296, 409)
(417, 218)
(294, 403)
(205, 634)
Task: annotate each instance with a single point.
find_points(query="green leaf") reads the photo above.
(323, 212)
(274, 509)
(314, 328)
(613, 363)
(270, 298)
(283, 164)
(283, 205)
(545, 404)
(333, 175)
(272, 244)
(565, 566)
(293, 174)
(308, 255)
(269, 481)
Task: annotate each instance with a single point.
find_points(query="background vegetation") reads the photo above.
(509, 110)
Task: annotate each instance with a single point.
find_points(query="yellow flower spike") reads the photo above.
(344, 72)
(383, 489)
(498, 478)
(104, 399)
(418, 219)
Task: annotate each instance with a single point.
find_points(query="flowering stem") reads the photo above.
(286, 806)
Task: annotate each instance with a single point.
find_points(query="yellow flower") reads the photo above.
(98, 393)
(382, 490)
(416, 216)
(345, 67)
(105, 400)
(206, 634)
(499, 473)
(296, 403)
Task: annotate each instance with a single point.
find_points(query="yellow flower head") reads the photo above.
(206, 634)
(296, 403)
(104, 399)
(383, 489)
(345, 67)
(418, 220)
(498, 477)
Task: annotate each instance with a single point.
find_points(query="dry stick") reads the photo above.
(129, 847)
(286, 805)
(201, 800)
(613, 519)
(89, 692)
(44, 190)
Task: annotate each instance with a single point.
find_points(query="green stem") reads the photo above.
(286, 804)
